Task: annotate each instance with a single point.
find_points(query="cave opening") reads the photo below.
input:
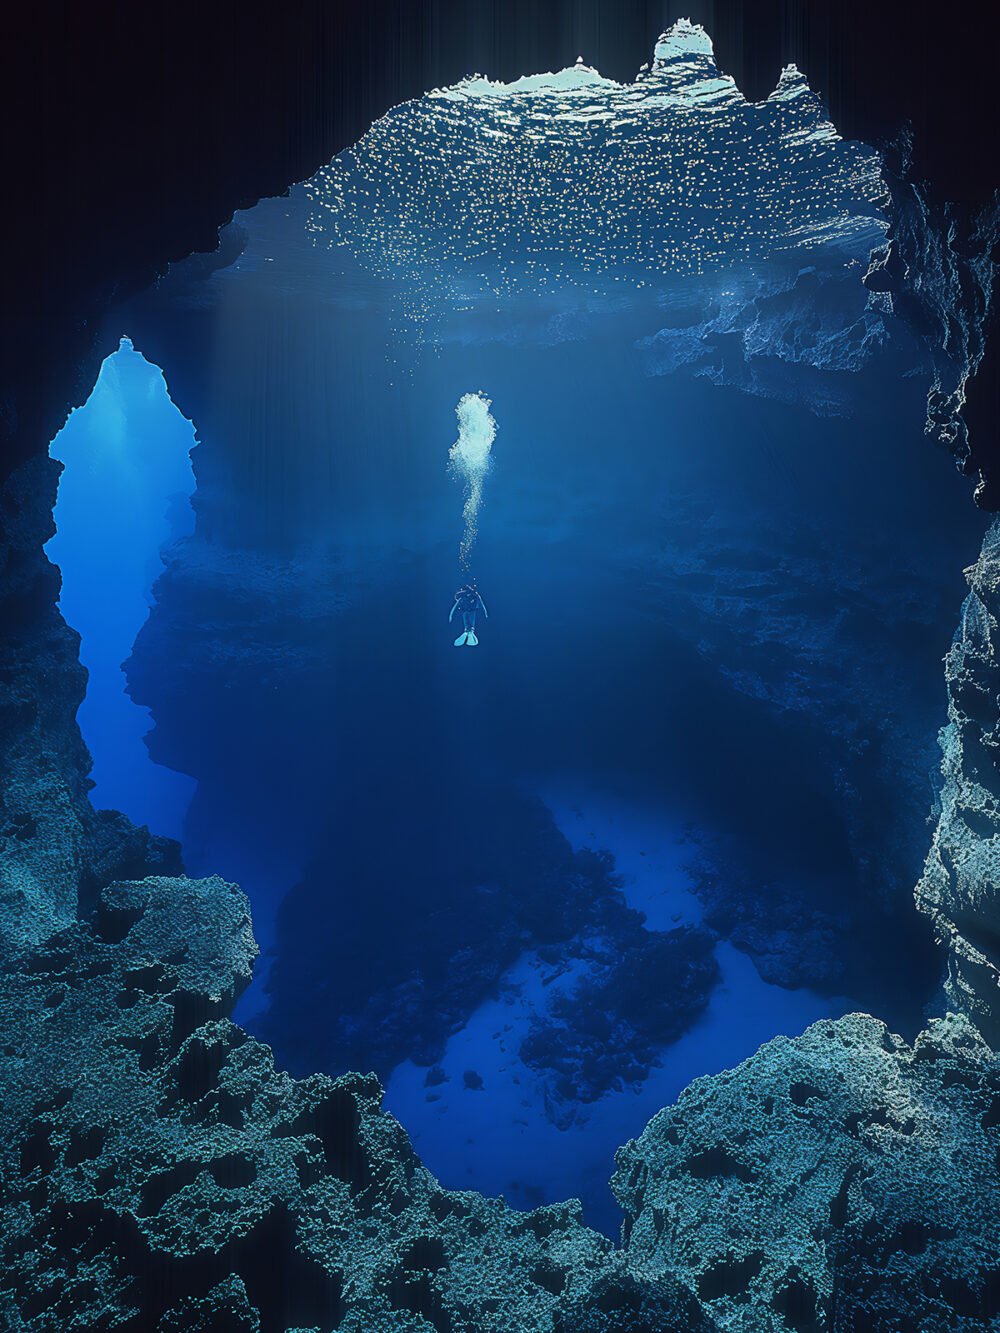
(677, 802)
(124, 494)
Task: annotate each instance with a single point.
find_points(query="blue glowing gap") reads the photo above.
(123, 495)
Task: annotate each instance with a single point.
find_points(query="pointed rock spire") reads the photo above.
(684, 67)
(684, 40)
(792, 83)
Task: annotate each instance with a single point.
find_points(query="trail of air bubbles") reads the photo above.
(469, 461)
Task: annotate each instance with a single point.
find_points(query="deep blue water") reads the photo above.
(720, 584)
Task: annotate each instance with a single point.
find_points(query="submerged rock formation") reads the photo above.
(56, 851)
(960, 886)
(615, 993)
(842, 1181)
(795, 332)
(643, 989)
(938, 267)
(160, 1174)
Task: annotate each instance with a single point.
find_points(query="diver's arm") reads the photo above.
(483, 605)
(452, 612)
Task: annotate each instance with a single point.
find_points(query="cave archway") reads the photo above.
(124, 494)
(685, 561)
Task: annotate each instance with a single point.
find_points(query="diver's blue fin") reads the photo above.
(459, 642)
(471, 640)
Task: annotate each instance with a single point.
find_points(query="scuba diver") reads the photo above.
(468, 601)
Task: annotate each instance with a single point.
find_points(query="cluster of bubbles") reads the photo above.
(469, 461)
(487, 188)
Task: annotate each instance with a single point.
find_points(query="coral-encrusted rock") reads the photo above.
(43, 760)
(938, 268)
(840, 1181)
(55, 850)
(960, 887)
(792, 333)
(161, 1174)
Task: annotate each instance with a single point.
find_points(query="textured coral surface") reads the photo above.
(161, 1175)
(844, 1180)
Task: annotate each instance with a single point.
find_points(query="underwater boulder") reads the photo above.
(160, 1173)
(841, 1180)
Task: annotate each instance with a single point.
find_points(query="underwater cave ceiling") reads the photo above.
(571, 177)
(162, 1174)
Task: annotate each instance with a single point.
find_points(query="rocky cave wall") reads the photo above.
(116, 1028)
(961, 880)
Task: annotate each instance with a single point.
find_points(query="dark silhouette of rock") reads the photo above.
(938, 269)
(641, 991)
